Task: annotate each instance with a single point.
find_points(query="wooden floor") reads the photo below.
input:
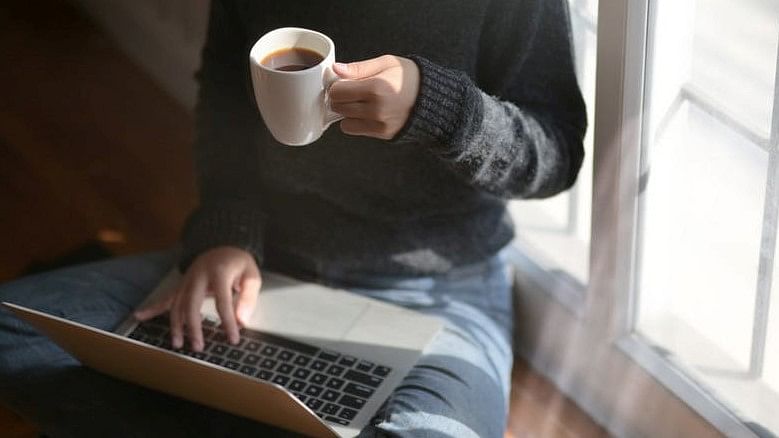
(93, 152)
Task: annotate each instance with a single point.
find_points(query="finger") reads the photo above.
(176, 319)
(191, 310)
(246, 299)
(155, 309)
(354, 91)
(351, 110)
(223, 293)
(365, 69)
(369, 128)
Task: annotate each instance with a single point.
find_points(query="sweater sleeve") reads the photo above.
(519, 131)
(226, 156)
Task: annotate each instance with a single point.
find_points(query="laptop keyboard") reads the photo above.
(333, 385)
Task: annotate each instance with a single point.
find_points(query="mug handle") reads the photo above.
(330, 115)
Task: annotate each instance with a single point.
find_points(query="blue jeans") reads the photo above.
(459, 388)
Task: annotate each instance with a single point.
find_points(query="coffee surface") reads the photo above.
(292, 59)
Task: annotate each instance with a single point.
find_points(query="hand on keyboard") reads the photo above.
(228, 274)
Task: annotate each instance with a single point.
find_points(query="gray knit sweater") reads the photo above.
(499, 115)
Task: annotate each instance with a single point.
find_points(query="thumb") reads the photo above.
(365, 69)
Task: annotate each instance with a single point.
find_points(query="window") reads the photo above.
(675, 336)
(708, 199)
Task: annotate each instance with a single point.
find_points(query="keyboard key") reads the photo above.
(341, 421)
(252, 346)
(268, 364)
(289, 344)
(348, 414)
(232, 365)
(365, 379)
(335, 370)
(347, 361)
(251, 359)
(352, 402)
(314, 404)
(199, 355)
(301, 397)
(319, 365)
(314, 390)
(249, 371)
(280, 380)
(265, 375)
(297, 385)
(269, 350)
(286, 355)
(216, 360)
(208, 332)
(358, 390)
(318, 378)
(302, 373)
(219, 349)
(235, 354)
(208, 323)
(381, 371)
(220, 337)
(331, 409)
(285, 368)
(330, 395)
(365, 366)
(335, 383)
(302, 360)
(330, 356)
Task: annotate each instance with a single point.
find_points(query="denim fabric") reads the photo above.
(459, 388)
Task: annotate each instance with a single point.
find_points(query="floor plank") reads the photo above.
(92, 150)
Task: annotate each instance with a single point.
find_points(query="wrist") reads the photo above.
(233, 225)
(446, 103)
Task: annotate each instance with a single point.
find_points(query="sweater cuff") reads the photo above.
(234, 224)
(446, 102)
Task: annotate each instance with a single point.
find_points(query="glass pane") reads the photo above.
(557, 230)
(710, 86)
(734, 58)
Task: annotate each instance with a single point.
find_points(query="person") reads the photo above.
(450, 109)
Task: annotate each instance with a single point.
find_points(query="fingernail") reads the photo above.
(177, 342)
(198, 346)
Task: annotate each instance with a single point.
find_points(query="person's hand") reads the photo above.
(219, 272)
(376, 96)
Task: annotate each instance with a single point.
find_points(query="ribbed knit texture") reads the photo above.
(439, 108)
(499, 115)
(232, 225)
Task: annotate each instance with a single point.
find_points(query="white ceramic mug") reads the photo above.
(294, 104)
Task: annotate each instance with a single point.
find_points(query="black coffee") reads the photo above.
(292, 59)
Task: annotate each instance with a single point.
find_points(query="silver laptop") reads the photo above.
(313, 360)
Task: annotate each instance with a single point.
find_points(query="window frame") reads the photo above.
(606, 311)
